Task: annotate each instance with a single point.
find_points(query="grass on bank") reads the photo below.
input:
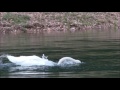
(16, 18)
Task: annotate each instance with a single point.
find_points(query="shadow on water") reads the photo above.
(99, 50)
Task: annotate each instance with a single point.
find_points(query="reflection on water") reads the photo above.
(99, 50)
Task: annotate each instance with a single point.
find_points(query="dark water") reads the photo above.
(99, 50)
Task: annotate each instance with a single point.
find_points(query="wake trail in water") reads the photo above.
(2, 57)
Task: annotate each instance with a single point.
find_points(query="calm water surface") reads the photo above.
(99, 50)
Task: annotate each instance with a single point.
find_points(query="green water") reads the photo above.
(99, 50)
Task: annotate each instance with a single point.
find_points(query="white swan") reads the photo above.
(35, 60)
(30, 60)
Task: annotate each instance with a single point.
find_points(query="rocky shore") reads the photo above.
(37, 22)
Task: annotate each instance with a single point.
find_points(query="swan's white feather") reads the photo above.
(30, 60)
(68, 60)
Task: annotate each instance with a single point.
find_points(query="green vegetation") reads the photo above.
(16, 18)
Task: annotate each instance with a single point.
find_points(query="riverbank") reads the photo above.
(38, 22)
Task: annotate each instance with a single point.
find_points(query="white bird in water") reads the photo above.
(35, 60)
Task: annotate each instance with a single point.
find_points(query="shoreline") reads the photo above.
(39, 22)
